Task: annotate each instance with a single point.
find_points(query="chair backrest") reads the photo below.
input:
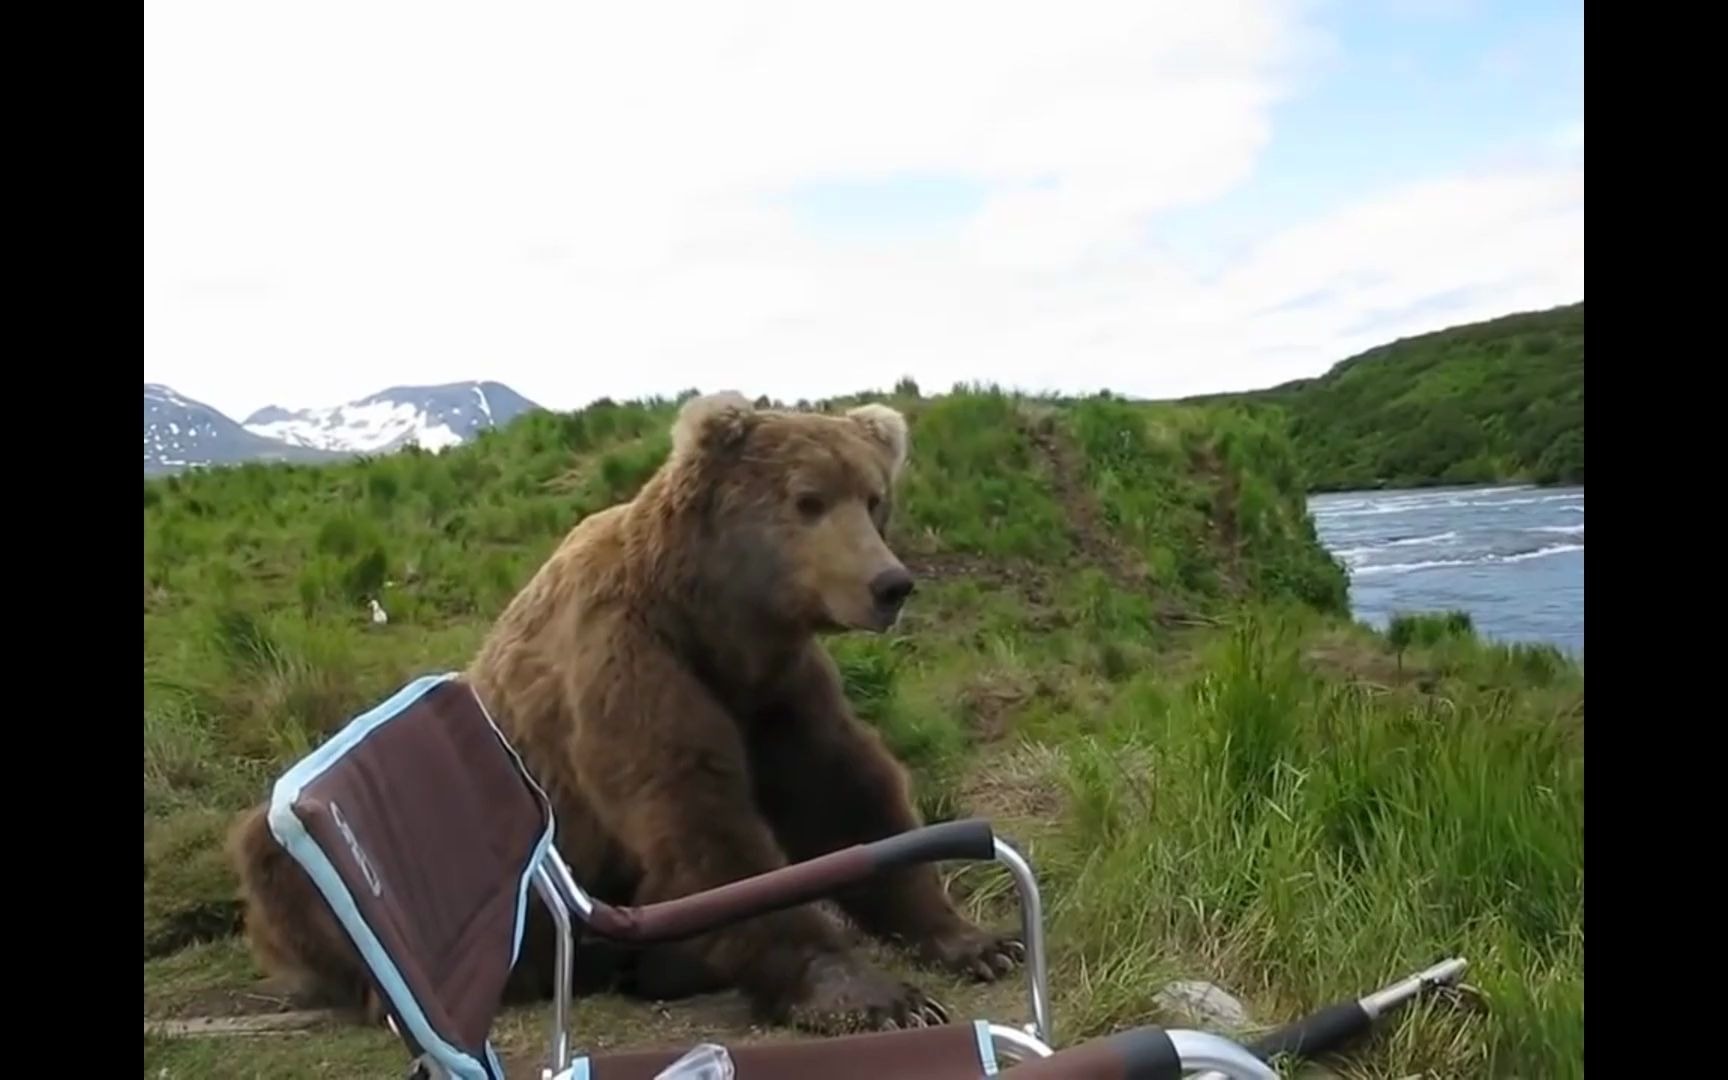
(423, 830)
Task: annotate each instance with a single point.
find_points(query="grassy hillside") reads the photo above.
(1491, 402)
(1127, 649)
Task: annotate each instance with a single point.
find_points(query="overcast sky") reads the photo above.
(798, 198)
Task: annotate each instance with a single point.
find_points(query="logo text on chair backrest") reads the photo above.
(360, 858)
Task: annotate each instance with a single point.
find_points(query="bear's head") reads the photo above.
(791, 510)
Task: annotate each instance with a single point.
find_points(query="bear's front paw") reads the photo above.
(967, 950)
(842, 995)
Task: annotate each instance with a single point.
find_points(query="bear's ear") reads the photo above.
(711, 422)
(887, 427)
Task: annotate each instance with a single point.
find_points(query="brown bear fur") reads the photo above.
(662, 677)
(289, 927)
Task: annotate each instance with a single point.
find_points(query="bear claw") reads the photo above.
(983, 956)
(845, 996)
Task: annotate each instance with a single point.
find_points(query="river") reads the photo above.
(1513, 557)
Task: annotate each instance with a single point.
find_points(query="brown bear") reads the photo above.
(663, 679)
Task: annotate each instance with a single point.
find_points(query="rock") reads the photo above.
(1202, 1005)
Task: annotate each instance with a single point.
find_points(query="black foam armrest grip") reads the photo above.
(1148, 1054)
(1316, 1033)
(971, 839)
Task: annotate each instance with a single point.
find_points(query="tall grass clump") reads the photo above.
(1211, 499)
(1262, 473)
(972, 483)
(1161, 509)
(1308, 840)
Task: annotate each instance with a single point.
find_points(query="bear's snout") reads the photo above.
(890, 589)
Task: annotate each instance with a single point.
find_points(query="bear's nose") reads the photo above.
(890, 588)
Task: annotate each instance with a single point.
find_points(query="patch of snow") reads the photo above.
(362, 428)
(164, 394)
(485, 406)
(437, 437)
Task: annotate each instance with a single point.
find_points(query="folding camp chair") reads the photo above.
(423, 830)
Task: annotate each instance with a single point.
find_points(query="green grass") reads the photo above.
(1129, 651)
(1300, 837)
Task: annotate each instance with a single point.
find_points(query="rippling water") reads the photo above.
(1513, 557)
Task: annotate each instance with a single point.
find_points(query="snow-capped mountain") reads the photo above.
(180, 432)
(432, 416)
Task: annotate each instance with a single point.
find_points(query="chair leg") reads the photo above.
(545, 885)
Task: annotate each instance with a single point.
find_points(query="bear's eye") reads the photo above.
(811, 505)
(875, 503)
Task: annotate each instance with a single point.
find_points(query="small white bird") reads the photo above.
(378, 616)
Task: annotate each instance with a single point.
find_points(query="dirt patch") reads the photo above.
(614, 1025)
(1020, 789)
(259, 998)
(940, 566)
(1034, 585)
(289, 1044)
(608, 1024)
(1096, 543)
(990, 699)
(252, 1024)
(1352, 659)
(211, 979)
(1226, 528)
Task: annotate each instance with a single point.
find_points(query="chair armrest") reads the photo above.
(813, 879)
(1148, 1053)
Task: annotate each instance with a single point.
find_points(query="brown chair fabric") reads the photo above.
(426, 818)
(947, 1052)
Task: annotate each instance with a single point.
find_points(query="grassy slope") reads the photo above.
(1127, 651)
(1490, 402)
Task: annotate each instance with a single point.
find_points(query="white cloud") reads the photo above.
(580, 200)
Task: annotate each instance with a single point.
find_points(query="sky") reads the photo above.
(1158, 197)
